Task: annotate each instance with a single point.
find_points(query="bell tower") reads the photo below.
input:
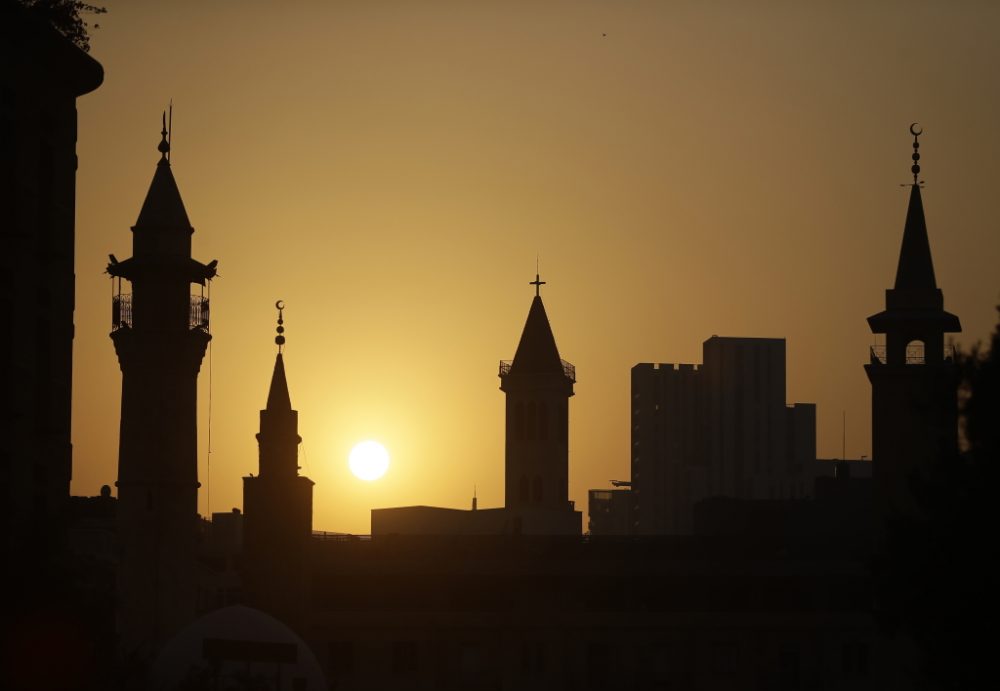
(538, 384)
(913, 376)
(160, 332)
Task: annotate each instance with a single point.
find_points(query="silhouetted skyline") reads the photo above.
(393, 172)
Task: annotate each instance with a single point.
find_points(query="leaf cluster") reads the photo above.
(67, 17)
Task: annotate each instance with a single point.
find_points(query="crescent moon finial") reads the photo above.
(915, 168)
(280, 338)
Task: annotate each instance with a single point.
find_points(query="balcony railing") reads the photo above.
(199, 313)
(568, 369)
(121, 312)
(914, 354)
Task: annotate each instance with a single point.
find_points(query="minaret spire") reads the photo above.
(277, 396)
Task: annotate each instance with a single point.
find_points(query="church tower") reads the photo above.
(277, 506)
(160, 331)
(538, 384)
(914, 379)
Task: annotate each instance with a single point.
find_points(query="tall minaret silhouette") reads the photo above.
(277, 506)
(914, 380)
(160, 332)
(538, 384)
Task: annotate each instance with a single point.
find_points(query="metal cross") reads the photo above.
(537, 283)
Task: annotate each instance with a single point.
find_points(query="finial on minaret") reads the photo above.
(280, 338)
(915, 168)
(164, 146)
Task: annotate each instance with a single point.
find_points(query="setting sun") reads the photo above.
(368, 460)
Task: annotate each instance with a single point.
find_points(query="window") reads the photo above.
(532, 420)
(519, 420)
(538, 494)
(523, 492)
(543, 421)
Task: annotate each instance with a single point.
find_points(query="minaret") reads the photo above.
(538, 384)
(277, 506)
(914, 379)
(160, 332)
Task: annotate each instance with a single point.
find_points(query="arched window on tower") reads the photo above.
(519, 420)
(532, 420)
(538, 494)
(543, 421)
(915, 353)
(523, 491)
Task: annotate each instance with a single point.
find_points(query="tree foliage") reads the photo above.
(66, 16)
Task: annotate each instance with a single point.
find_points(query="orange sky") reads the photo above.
(392, 169)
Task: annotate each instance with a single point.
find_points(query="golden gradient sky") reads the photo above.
(391, 170)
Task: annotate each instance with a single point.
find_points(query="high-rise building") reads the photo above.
(718, 429)
(913, 376)
(160, 331)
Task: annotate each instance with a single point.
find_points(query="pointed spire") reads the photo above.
(536, 351)
(277, 396)
(163, 207)
(916, 268)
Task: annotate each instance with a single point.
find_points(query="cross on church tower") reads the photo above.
(537, 283)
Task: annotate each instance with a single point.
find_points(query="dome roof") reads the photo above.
(237, 643)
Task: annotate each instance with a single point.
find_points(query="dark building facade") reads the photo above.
(913, 376)
(41, 75)
(718, 429)
(160, 332)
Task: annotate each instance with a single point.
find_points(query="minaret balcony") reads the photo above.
(915, 354)
(199, 313)
(121, 312)
(568, 369)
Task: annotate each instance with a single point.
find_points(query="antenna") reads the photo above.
(843, 435)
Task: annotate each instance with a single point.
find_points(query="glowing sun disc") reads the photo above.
(368, 460)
